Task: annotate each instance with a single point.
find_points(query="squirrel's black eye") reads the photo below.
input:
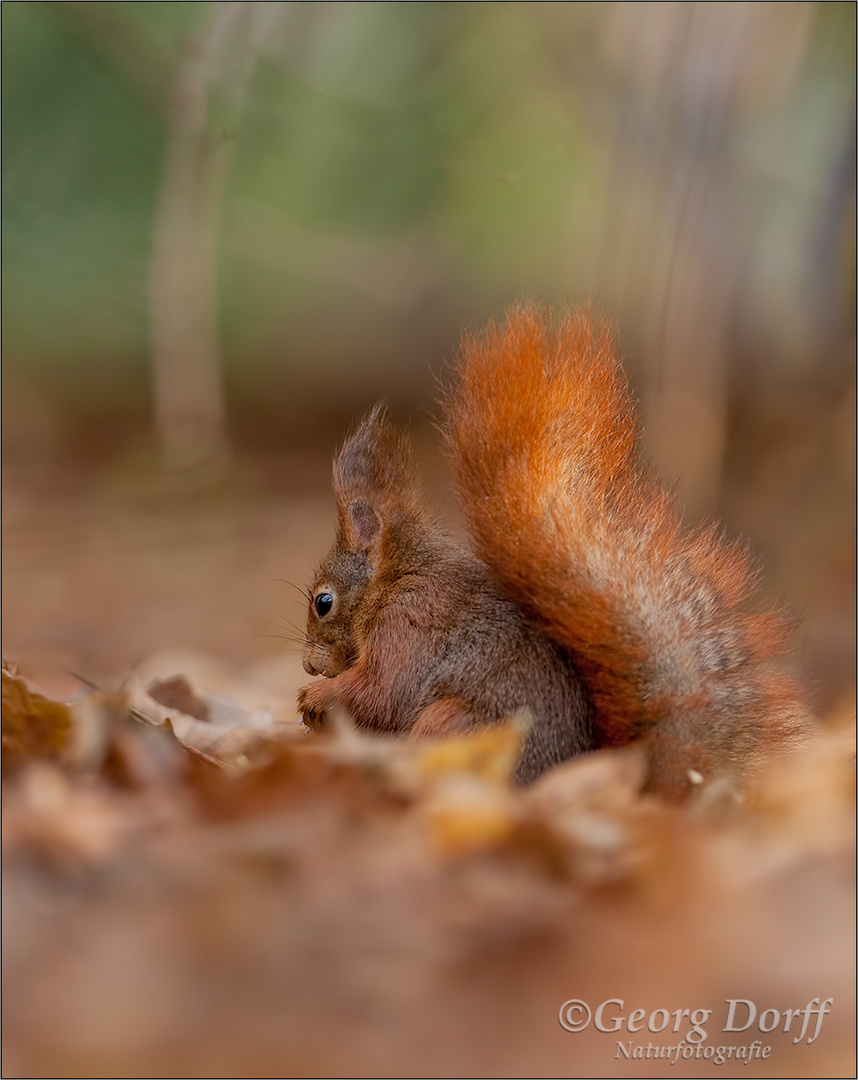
(323, 602)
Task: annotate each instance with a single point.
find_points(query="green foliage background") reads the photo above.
(399, 170)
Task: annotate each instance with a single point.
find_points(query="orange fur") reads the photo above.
(542, 439)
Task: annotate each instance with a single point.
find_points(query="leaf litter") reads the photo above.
(195, 888)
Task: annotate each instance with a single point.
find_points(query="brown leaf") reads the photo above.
(34, 727)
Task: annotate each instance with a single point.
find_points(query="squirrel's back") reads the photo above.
(542, 439)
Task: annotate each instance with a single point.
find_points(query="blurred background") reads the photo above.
(230, 227)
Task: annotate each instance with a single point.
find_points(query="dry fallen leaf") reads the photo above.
(34, 727)
(212, 724)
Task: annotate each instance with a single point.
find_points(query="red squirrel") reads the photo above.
(585, 605)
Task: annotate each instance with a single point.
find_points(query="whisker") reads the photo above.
(301, 642)
(306, 594)
(294, 626)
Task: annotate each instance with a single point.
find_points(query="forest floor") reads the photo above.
(225, 895)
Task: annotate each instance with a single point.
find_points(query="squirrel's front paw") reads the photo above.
(311, 706)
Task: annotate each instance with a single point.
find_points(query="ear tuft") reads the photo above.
(374, 465)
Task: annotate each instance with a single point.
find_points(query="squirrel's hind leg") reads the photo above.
(449, 716)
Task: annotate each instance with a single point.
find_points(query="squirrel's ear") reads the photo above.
(374, 468)
(363, 525)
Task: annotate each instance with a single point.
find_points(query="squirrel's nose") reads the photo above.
(308, 667)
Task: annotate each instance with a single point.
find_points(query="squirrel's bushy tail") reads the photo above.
(542, 436)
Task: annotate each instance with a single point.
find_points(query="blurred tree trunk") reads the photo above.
(207, 95)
